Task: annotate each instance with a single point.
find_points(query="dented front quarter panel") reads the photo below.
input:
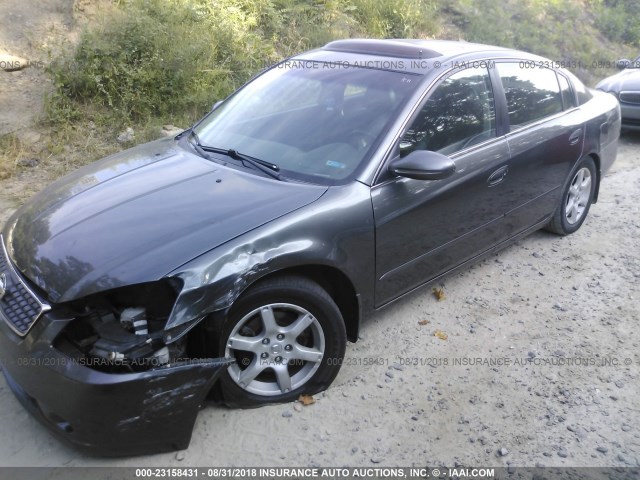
(335, 231)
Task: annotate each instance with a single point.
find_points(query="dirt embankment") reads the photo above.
(31, 31)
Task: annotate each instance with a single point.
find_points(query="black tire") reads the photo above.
(561, 222)
(288, 297)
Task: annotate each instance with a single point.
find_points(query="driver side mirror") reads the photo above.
(623, 63)
(423, 165)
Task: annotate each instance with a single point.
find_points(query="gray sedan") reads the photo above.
(626, 88)
(237, 259)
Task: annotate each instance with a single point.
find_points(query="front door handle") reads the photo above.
(575, 137)
(498, 176)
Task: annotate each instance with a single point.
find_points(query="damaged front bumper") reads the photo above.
(104, 413)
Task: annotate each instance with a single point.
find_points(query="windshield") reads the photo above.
(316, 121)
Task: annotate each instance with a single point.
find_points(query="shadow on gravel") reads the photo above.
(630, 136)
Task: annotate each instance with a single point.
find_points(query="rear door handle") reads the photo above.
(575, 137)
(498, 176)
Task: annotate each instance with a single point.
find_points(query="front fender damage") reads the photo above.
(215, 286)
(337, 233)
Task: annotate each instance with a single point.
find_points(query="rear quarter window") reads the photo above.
(568, 98)
(582, 92)
(532, 93)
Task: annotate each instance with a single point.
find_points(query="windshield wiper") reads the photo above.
(269, 168)
(197, 146)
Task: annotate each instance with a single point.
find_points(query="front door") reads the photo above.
(426, 227)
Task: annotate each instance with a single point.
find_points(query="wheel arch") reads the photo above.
(596, 159)
(337, 284)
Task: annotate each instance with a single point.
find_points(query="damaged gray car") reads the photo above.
(234, 261)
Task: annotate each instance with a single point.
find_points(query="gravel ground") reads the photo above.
(539, 367)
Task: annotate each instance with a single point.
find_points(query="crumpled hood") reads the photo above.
(138, 215)
(626, 80)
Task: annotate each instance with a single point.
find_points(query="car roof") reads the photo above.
(407, 55)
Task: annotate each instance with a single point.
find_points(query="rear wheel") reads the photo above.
(576, 199)
(287, 336)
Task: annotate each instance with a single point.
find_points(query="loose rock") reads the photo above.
(171, 131)
(29, 162)
(126, 136)
(12, 63)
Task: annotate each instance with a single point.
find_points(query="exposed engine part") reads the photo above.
(136, 319)
(121, 340)
(161, 357)
(118, 339)
(116, 356)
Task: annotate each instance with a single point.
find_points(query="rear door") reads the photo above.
(545, 140)
(426, 227)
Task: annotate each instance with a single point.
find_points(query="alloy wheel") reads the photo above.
(578, 196)
(277, 348)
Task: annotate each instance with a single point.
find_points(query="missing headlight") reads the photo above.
(122, 330)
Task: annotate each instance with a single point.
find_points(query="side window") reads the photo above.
(584, 95)
(532, 93)
(459, 113)
(568, 98)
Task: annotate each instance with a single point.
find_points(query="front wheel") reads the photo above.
(576, 199)
(287, 336)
